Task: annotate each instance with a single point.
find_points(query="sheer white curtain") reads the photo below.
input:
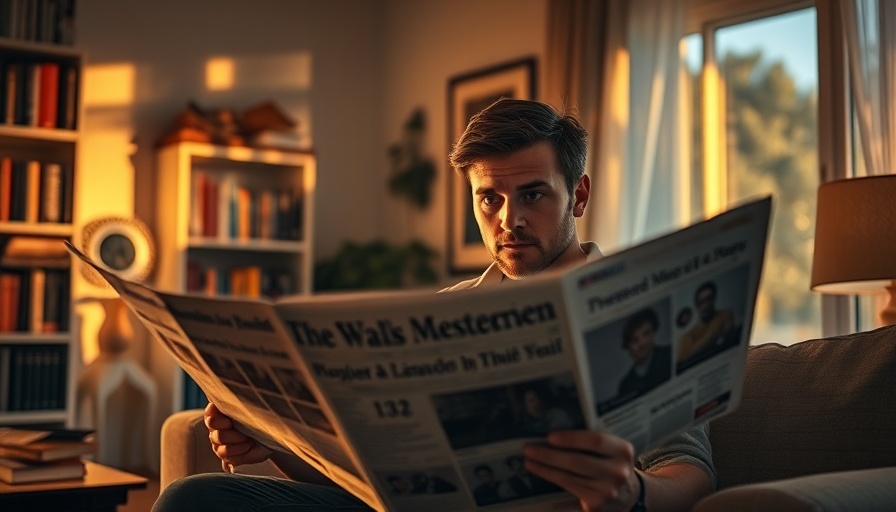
(628, 95)
(869, 28)
(870, 32)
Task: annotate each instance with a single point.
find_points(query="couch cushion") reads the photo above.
(818, 406)
(868, 490)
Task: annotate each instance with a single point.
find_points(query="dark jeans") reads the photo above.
(225, 492)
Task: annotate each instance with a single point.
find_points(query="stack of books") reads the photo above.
(28, 456)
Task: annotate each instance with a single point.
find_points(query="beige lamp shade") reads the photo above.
(855, 236)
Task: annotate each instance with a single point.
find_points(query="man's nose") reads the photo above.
(512, 216)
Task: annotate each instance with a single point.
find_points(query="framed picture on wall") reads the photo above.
(468, 94)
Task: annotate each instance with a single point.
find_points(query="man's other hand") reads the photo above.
(230, 445)
(598, 468)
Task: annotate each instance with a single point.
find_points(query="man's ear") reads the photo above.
(581, 194)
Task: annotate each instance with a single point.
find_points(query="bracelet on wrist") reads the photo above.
(640, 505)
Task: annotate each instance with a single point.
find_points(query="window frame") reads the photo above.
(838, 313)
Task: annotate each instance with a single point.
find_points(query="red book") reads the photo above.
(48, 101)
(5, 188)
(9, 295)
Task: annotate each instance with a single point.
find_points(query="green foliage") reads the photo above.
(773, 148)
(377, 265)
(412, 175)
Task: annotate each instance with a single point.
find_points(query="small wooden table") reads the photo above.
(101, 490)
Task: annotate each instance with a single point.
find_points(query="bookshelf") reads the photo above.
(39, 107)
(233, 221)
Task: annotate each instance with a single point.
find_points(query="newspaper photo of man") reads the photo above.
(542, 409)
(524, 483)
(651, 363)
(490, 489)
(631, 355)
(530, 408)
(715, 327)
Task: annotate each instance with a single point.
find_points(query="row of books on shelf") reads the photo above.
(38, 93)
(34, 300)
(43, 21)
(33, 377)
(35, 191)
(244, 281)
(224, 208)
(28, 456)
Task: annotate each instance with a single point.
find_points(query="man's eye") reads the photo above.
(533, 195)
(489, 200)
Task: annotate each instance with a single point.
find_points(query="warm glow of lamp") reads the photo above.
(855, 239)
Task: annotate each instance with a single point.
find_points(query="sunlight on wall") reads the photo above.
(106, 177)
(109, 85)
(289, 72)
(110, 192)
(219, 74)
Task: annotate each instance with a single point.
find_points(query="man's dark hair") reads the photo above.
(509, 125)
(709, 285)
(644, 316)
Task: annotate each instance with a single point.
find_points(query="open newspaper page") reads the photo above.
(665, 326)
(408, 400)
(239, 354)
(438, 392)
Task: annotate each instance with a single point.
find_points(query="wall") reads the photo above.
(349, 71)
(425, 44)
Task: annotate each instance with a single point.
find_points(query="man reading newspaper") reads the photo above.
(526, 165)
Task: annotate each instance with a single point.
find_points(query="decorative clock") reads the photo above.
(121, 245)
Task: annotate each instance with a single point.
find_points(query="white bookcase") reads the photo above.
(39, 110)
(216, 236)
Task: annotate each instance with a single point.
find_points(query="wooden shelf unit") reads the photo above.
(39, 356)
(192, 237)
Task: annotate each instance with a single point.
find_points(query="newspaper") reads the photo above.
(419, 400)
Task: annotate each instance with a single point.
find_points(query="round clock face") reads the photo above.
(121, 245)
(117, 252)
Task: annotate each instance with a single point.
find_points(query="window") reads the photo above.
(754, 92)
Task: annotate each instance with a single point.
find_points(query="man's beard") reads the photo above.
(518, 265)
(521, 265)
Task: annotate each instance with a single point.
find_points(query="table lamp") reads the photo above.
(855, 239)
